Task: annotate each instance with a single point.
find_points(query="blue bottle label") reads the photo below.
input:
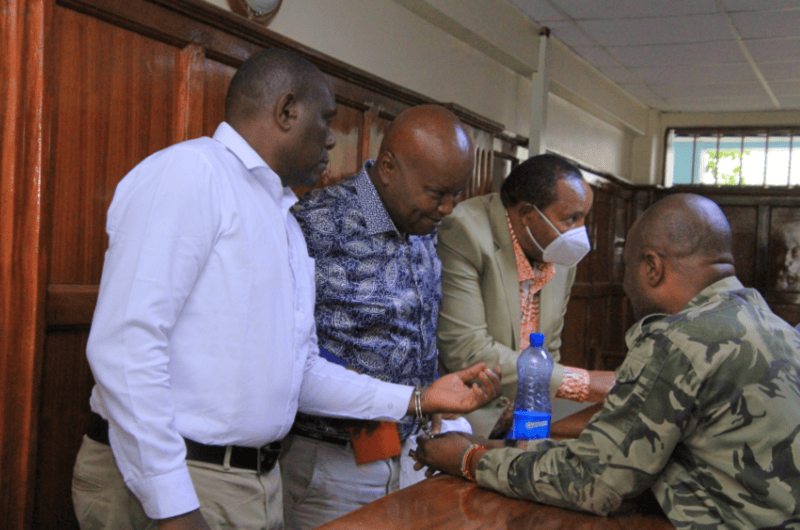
(530, 425)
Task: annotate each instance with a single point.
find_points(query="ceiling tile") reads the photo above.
(790, 102)
(727, 104)
(711, 90)
(758, 5)
(597, 56)
(773, 49)
(620, 75)
(674, 54)
(772, 24)
(669, 30)
(785, 88)
(696, 74)
(605, 9)
(638, 90)
(780, 70)
(569, 34)
(538, 10)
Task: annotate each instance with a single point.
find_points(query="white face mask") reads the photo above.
(568, 248)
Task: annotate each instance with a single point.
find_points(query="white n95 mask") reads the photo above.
(568, 248)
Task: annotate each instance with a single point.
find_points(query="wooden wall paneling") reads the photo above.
(23, 259)
(789, 312)
(118, 97)
(783, 263)
(217, 77)
(575, 335)
(66, 385)
(619, 232)
(345, 158)
(378, 126)
(761, 266)
(190, 91)
(110, 113)
(620, 318)
(744, 221)
(596, 271)
(368, 128)
(483, 148)
(601, 220)
(348, 130)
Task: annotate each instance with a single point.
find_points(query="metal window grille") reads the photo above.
(765, 157)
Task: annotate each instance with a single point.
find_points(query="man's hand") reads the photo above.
(452, 393)
(188, 521)
(442, 453)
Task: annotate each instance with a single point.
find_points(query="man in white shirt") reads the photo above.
(203, 344)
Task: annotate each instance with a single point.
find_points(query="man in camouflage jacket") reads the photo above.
(706, 409)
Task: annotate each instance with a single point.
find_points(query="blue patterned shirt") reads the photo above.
(378, 293)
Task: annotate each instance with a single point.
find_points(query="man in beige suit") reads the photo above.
(508, 265)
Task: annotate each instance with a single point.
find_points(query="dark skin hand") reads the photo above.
(188, 521)
(444, 452)
(453, 393)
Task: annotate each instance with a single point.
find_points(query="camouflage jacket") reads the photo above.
(705, 413)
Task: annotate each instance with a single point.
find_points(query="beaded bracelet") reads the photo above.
(575, 385)
(465, 461)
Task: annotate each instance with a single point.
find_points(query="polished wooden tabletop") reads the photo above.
(450, 503)
(444, 503)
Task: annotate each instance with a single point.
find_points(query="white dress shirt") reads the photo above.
(204, 325)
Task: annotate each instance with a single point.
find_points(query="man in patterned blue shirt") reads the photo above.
(378, 275)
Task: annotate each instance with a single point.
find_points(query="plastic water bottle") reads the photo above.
(532, 406)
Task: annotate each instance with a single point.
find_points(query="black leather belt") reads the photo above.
(300, 431)
(259, 459)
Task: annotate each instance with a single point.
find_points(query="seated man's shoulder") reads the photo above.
(732, 332)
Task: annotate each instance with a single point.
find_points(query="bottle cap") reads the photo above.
(537, 339)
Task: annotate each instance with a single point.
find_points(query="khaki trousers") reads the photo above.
(229, 498)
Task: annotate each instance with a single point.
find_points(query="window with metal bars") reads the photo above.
(733, 157)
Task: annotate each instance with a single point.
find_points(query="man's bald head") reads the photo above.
(678, 247)
(424, 161)
(426, 129)
(686, 226)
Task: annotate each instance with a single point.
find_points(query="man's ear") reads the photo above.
(386, 166)
(286, 111)
(524, 210)
(653, 264)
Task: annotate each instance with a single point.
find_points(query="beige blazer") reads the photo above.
(480, 317)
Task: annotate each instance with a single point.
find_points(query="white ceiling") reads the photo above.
(685, 55)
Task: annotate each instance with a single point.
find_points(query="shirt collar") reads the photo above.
(539, 273)
(658, 320)
(375, 214)
(227, 136)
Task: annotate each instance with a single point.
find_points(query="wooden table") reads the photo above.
(450, 503)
